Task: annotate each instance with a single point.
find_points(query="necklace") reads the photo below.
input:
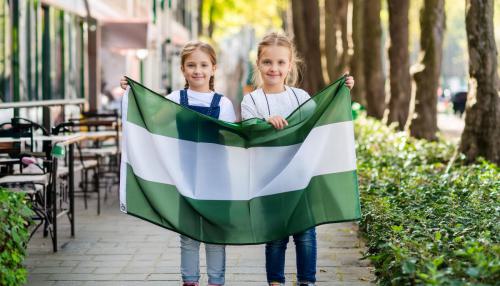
(267, 101)
(286, 90)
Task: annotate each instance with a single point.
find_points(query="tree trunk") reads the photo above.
(336, 32)
(400, 79)
(306, 31)
(199, 21)
(481, 136)
(432, 26)
(357, 93)
(372, 57)
(211, 22)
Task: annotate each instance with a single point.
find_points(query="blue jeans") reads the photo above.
(305, 248)
(190, 261)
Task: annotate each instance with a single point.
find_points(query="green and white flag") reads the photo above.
(238, 183)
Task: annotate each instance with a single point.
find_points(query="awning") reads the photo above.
(124, 35)
(104, 11)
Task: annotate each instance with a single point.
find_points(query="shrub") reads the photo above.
(15, 215)
(425, 223)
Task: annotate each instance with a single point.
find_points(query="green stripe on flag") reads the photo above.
(164, 117)
(327, 198)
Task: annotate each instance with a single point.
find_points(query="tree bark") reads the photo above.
(372, 57)
(211, 22)
(432, 26)
(399, 74)
(199, 21)
(356, 62)
(336, 32)
(306, 31)
(481, 136)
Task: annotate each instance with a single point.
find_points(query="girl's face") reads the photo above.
(197, 70)
(274, 65)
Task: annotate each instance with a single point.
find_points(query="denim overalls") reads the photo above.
(190, 248)
(213, 110)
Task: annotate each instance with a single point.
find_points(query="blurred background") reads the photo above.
(58, 49)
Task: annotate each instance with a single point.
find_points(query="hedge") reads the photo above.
(15, 215)
(426, 223)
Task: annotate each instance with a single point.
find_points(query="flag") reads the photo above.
(238, 183)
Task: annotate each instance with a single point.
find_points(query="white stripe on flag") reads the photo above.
(209, 171)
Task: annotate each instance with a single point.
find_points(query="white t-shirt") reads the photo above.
(254, 104)
(204, 99)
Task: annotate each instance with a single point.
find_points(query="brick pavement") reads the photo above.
(118, 249)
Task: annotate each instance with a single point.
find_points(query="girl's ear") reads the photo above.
(214, 67)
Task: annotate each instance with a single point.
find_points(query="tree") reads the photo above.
(199, 20)
(336, 31)
(372, 58)
(400, 79)
(356, 62)
(481, 136)
(223, 18)
(306, 31)
(432, 26)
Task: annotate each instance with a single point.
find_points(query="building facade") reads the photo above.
(59, 49)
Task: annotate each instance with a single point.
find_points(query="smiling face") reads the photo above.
(274, 64)
(198, 69)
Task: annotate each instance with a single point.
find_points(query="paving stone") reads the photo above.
(134, 270)
(111, 257)
(83, 270)
(50, 270)
(42, 283)
(69, 283)
(131, 283)
(115, 270)
(81, 277)
(164, 277)
(103, 263)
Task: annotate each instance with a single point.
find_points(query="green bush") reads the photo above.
(15, 215)
(426, 224)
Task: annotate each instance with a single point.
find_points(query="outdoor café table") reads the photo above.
(61, 140)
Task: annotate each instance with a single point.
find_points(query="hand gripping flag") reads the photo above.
(238, 183)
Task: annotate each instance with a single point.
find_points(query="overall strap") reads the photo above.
(184, 97)
(215, 100)
(214, 109)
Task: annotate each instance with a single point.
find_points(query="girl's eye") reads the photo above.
(266, 62)
(281, 62)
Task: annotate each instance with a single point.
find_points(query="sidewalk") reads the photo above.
(451, 126)
(118, 249)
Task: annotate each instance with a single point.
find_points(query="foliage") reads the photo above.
(15, 215)
(424, 224)
(230, 16)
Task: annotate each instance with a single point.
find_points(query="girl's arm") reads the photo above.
(123, 83)
(227, 110)
(277, 122)
(349, 82)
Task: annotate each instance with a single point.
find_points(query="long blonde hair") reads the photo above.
(190, 47)
(280, 40)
